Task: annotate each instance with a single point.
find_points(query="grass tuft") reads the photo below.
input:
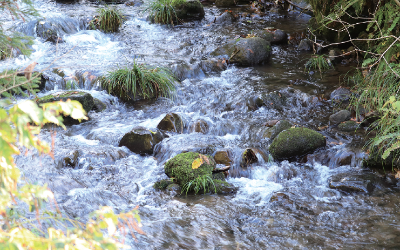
(139, 80)
(163, 11)
(108, 19)
(320, 63)
(202, 182)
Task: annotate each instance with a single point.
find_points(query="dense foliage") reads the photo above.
(108, 19)
(163, 11)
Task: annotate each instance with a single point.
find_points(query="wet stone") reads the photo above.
(280, 126)
(274, 100)
(341, 95)
(295, 142)
(141, 140)
(222, 157)
(189, 9)
(305, 44)
(171, 122)
(98, 105)
(274, 36)
(199, 126)
(226, 18)
(349, 126)
(248, 157)
(341, 116)
(357, 182)
(225, 3)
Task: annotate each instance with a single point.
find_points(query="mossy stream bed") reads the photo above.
(325, 200)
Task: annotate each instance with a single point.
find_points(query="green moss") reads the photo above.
(295, 142)
(84, 98)
(162, 184)
(180, 167)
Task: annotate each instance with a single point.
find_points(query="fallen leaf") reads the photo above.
(197, 163)
(205, 158)
(397, 176)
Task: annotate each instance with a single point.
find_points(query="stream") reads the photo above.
(278, 205)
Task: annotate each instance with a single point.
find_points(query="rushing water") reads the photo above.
(278, 205)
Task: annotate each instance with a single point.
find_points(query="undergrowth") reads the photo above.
(319, 63)
(139, 80)
(11, 83)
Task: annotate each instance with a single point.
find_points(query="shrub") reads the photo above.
(139, 81)
(163, 11)
(12, 83)
(108, 19)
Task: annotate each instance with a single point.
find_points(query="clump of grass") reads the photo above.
(108, 19)
(163, 11)
(320, 63)
(139, 80)
(202, 182)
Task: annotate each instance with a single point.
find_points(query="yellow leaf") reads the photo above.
(197, 163)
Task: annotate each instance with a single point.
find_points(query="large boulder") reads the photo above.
(340, 95)
(189, 9)
(226, 18)
(274, 36)
(171, 122)
(295, 142)
(348, 126)
(141, 140)
(84, 98)
(341, 116)
(245, 51)
(274, 100)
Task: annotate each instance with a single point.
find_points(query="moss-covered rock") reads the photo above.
(162, 184)
(222, 187)
(348, 126)
(189, 9)
(295, 142)
(141, 140)
(225, 3)
(84, 98)
(171, 122)
(245, 51)
(180, 167)
(280, 126)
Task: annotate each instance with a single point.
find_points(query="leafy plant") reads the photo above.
(320, 63)
(202, 182)
(139, 80)
(12, 83)
(163, 11)
(108, 19)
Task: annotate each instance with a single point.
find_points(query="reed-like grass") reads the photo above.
(139, 81)
(163, 11)
(203, 182)
(319, 63)
(108, 19)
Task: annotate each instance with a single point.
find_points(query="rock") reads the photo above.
(222, 157)
(295, 142)
(280, 126)
(222, 187)
(245, 51)
(341, 95)
(171, 122)
(141, 140)
(248, 157)
(52, 29)
(225, 3)
(254, 103)
(226, 18)
(135, 3)
(72, 159)
(199, 126)
(184, 71)
(173, 189)
(274, 100)
(213, 65)
(274, 36)
(341, 116)
(189, 9)
(98, 105)
(270, 123)
(356, 182)
(348, 126)
(335, 55)
(305, 44)
(84, 98)
(180, 167)
(162, 184)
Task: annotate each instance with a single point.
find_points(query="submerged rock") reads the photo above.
(171, 122)
(245, 51)
(305, 44)
(341, 116)
(141, 140)
(274, 36)
(359, 182)
(274, 100)
(189, 9)
(98, 105)
(162, 184)
(248, 157)
(341, 95)
(295, 142)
